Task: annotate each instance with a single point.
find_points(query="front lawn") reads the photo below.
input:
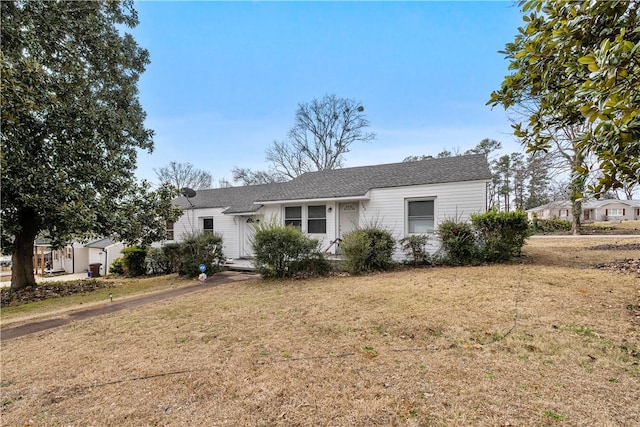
(547, 340)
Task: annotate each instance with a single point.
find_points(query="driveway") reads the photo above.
(14, 331)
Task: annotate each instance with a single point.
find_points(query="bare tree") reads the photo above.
(323, 132)
(181, 175)
(245, 176)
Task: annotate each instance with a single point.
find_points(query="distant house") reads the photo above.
(75, 257)
(592, 210)
(405, 198)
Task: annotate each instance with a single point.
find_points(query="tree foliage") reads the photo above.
(71, 124)
(181, 175)
(578, 63)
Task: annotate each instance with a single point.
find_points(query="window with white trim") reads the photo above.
(169, 231)
(420, 217)
(317, 219)
(615, 212)
(293, 216)
(207, 225)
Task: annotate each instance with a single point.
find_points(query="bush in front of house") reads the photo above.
(117, 267)
(173, 253)
(200, 248)
(458, 242)
(281, 252)
(157, 261)
(134, 261)
(501, 235)
(368, 249)
(550, 225)
(414, 247)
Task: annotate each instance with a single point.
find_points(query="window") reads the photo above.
(293, 216)
(420, 216)
(169, 234)
(615, 212)
(317, 221)
(207, 225)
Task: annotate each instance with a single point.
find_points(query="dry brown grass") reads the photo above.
(419, 347)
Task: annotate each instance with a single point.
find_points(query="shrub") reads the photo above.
(173, 254)
(200, 248)
(458, 242)
(281, 251)
(550, 225)
(368, 249)
(117, 266)
(414, 248)
(157, 261)
(501, 234)
(134, 261)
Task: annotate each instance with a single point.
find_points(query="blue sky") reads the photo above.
(226, 78)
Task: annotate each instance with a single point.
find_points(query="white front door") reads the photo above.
(348, 220)
(248, 231)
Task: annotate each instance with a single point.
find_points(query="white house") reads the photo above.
(405, 198)
(592, 210)
(76, 257)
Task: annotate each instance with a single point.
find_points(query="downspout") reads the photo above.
(73, 259)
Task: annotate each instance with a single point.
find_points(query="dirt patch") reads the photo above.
(50, 290)
(616, 247)
(625, 266)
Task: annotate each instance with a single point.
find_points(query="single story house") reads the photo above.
(75, 257)
(405, 198)
(592, 210)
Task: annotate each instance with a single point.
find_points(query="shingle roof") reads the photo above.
(347, 182)
(357, 181)
(236, 199)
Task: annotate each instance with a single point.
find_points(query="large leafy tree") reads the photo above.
(71, 125)
(577, 63)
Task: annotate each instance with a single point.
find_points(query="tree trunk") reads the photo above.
(576, 210)
(576, 190)
(22, 259)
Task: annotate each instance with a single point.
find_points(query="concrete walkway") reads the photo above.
(41, 279)
(29, 327)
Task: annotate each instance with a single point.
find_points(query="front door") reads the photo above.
(248, 231)
(348, 220)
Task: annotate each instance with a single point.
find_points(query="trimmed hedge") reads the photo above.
(200, 248)
(550, 225)
(368, 249)
(501, 235)
(281, 251)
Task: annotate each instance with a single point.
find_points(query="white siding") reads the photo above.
(80, 259)
(227, 226)
(387, 206)
(275, 213)
(603, 213)
(114, 251)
